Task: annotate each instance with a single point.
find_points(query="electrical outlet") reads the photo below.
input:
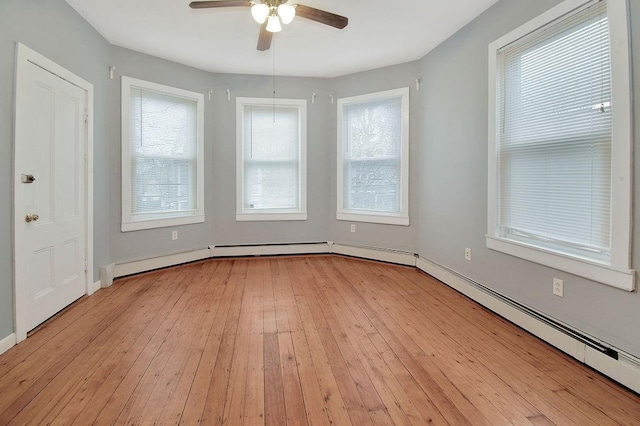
(558, 287)
(353, 228)
(467, 253)
(174, 235)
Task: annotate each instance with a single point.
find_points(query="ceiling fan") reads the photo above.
(271, 13)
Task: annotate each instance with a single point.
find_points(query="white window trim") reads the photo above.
(260, 215)
(618, 274)
(132, 222)
(372, 216)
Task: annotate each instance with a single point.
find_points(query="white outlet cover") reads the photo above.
(558, 287)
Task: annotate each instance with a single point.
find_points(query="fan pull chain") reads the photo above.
(273, 76)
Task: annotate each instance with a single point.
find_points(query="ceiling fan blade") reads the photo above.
(219, 3)
(264, 39)
(321, 16)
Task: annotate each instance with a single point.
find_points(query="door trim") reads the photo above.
(24, 56)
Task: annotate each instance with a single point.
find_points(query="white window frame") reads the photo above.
(617, 273)
(248, 215)
(372, 216)
(135, 222)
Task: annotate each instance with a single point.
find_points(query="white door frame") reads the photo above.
(24, 56)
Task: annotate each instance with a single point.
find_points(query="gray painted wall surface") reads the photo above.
(369, 234)
(55, 30)
(453, 213)
(220, 226)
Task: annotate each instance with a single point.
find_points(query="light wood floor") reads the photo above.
(295, 340)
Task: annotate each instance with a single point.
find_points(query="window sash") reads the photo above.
(367, 192)
(554, 143)
(271, 149)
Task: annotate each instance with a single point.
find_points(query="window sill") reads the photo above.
(386, 219)
(623, 279)
(140, 224)
(263, 217)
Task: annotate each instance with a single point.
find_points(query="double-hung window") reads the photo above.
(162, 156)
(373, 158)
(559, 141)
(271, 159)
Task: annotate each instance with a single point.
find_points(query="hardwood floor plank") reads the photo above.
(62, 390)
(213, 412)
(203, 295)
(134, 387)
(33, 366)
(44, 372)
(87, 404)
(274, 404)
(176, 399)
(544, 389)
(196, 400)
(349, 389)
(295, 340)
(254, 395)
(475, 386)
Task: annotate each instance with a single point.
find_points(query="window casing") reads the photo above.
(162, 156)
(373, 158)
(271, 159)
(559, 142)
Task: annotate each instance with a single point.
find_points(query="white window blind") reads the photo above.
(271, 152)
(162, 150)
(554, 110)
(372, 162)
(271, 159)
(163, 153)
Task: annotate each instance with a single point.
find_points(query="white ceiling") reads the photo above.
(380, 33)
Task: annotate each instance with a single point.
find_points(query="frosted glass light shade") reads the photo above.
(260, 11)
(286, 13)
(273, 24)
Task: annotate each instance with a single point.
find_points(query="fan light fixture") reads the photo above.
(273, 13)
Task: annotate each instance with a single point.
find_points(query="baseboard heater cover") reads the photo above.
(612, 362)
(269, 249)
(375, 253)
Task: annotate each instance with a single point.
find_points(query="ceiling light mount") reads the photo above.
(274, 12)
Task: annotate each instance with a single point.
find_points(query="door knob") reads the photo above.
(31, 217)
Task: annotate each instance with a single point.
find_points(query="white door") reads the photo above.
(50, 194)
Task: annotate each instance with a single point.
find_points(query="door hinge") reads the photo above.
(86, 265)
(86, 117)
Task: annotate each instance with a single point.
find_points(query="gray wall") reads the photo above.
(369, 234)
(55, 30)
(220, 226)
(453, 211)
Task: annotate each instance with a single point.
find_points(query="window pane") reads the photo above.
(372, 166)
(162, 185)
(271, 150)
(163, 152)
(271, 185)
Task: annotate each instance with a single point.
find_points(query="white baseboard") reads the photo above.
(7, 343)
(112, 271)
(94, 287)
(144, 265)
(106, 275)
(392, 256)
(625, 370)
(269, 250)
